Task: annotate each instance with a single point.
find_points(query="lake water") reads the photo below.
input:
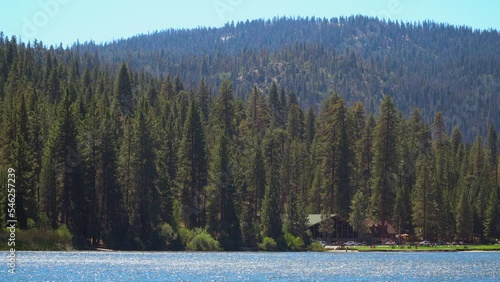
(183, 266)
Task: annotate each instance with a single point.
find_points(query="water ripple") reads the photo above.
(184, 266)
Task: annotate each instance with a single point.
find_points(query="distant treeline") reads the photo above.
(426, 65)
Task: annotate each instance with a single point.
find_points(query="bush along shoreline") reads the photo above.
(40, 239)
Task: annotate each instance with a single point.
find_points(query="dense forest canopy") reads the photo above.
(432, 66)
(186, 136)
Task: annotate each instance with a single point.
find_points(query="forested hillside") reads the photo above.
(135, 159)
(435, 67)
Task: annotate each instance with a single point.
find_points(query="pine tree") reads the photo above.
(478, 170)
(88, 139)
(295, 122)
(271, 211)
(21, 156)
(441, 181)
(415, 143)
(37, 135)
(126, 161)
(164, 187)
(315, 193)
(492, 216)
(79, 197)
(492, 220)
(115, 221)
(123, 91)
(283, 108)
(271, 223)
(192, 171)
(455, 158)
(258, 180)
(8, 122)
(493, 151)
(310, 130)
(61, 167)
(145, 194)
(296, 217)
(463, 213)
(222, 219)
(222, 118)
(167, 89)
(166, 155)
(48, 203)
(178, 86)
(248, 228)
(365, 156)
(204, 100)
(357, 216)
(257, 113)
(357, 124)
(422, 202)
(335, 156)
(385, 162)
(275, 107)
(456, 140)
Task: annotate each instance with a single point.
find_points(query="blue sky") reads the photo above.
(65, 21)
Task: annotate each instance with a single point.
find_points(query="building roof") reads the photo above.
(316, 218)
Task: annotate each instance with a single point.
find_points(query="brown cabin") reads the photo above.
(343, 230)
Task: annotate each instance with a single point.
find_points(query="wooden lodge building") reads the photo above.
(342, 230)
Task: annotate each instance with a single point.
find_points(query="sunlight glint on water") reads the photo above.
(135, 266)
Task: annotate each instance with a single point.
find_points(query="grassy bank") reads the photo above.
(427, 249)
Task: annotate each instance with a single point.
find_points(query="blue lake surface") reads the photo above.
(184, 266)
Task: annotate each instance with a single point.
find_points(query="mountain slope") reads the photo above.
(435, 67)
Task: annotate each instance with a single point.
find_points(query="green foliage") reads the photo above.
(167, 234)
(123, 91)
(223, 221)
(64, 232)
(357, 216)
(294, 243)
(268, 244)
(271, 219)
(203, 242)
(303, 55)
(192, 168)
(316, 247)
(119, 157)
(222, 118)
(31, 223)
(185, 235)
(463, 212)
(35, 239)
(385, 162)
(334, 157)
(423, 200)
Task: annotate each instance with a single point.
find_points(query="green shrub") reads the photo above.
(64, 232)
(203, 241)
(43, 222)
(167, 234)
(31, 223)
(294, 243)
(43, 239)
(185, 236)
(316, 247)
(268, 244)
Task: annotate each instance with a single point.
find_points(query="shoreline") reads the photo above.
(256, 252)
